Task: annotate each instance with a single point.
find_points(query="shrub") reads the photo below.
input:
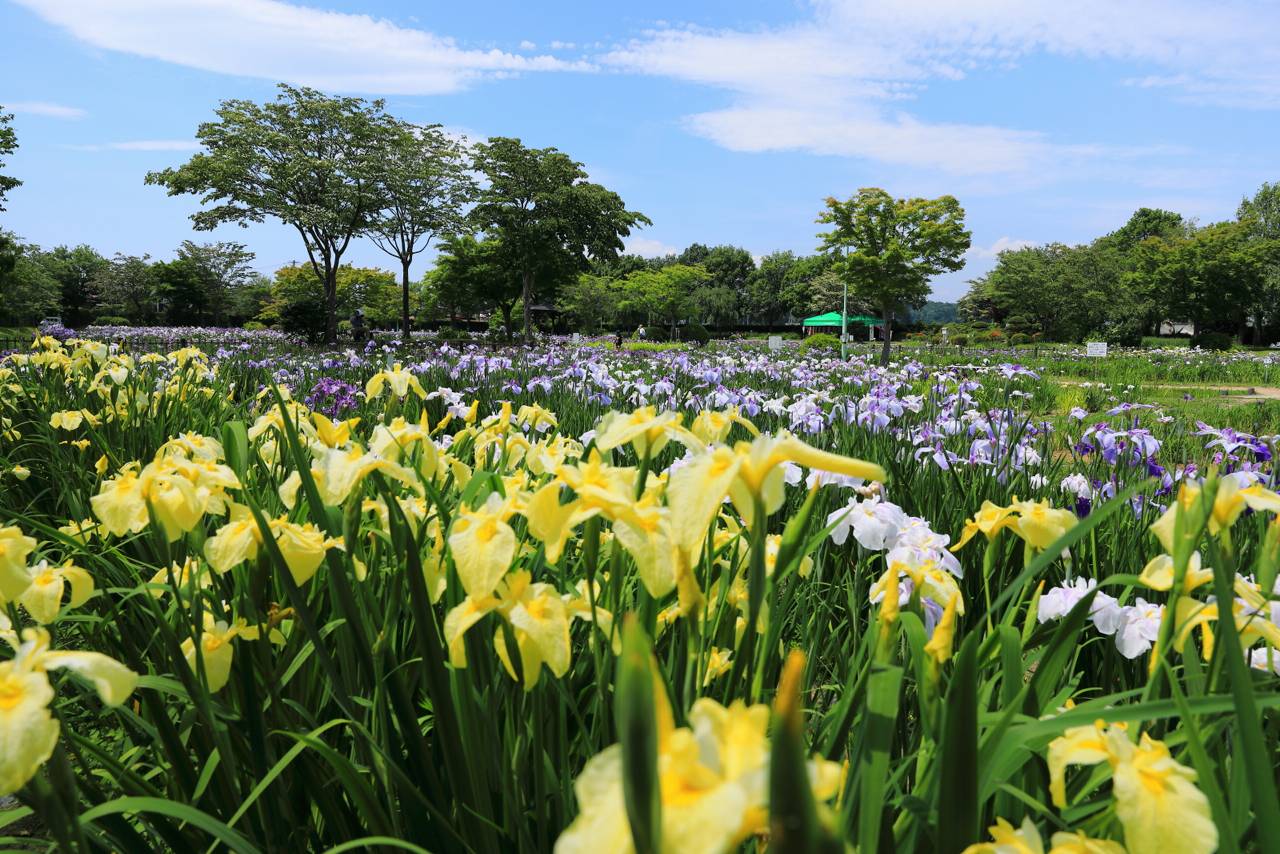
(253, 326)
(960, 340)
(1018, 338)
(697, 333)
(451, 333)
(820, 341)
(995, 335)
(1123, 332)
(1212, 340)
(111, 320)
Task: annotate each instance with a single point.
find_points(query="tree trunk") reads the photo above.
(404, 297)
(525, 291)
(888, 337)
(331, 305)
(506, 318)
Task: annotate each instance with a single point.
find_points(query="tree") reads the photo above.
(591, 301)
(8, 145)
(538, 204)
(126, 287)
(306, 159)
(662, 296)
(295, 296)
(730, 267)
(892, 247)
(220, 269)
(472, 274)
(424, 184)
(1217, 277)
(27, 291)
(248, 300)
(1261, 214)
(75, 270)
(180, 288)
(827, 292)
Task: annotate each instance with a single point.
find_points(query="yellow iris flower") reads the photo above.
(713, 782)
(538, 618)
(483, 545)
(216, 650)
(1229, 502)
(1026, 839)
(990, 520)
(398, 380)
(15, 546)
(1156, 798)
(43, 596)
(28, 732)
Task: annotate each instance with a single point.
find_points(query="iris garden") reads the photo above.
(438, 596)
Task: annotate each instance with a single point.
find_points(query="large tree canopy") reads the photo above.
(893, 247)
(306, 159)
(8, 145)
(538, 203)
(425, 186)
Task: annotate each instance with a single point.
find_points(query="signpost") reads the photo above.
(1095, 349)
(775, 342)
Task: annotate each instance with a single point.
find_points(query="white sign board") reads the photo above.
(775, 342)
(577, 338)
(1095, 349)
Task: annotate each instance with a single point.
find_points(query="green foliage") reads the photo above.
(297, 299)
(424, 185)
(27, 291)
(127, 286)
(75, 270)
(661, 297)
(474, 275)
(934, 312)
(697, 333)
(306, 159)
(111, 320)
(547, 216)
(1018, 338)
(253, 326)
(892, 247)
(819, 341)
(591, 302)
(1211, 340)
(8, 145)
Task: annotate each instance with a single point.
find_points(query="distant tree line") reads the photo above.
(1223, 277)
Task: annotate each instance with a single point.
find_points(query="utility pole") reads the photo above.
(844, 314)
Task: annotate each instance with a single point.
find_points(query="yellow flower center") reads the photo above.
(10, 693)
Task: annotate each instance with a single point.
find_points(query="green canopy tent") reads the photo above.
(832, 318)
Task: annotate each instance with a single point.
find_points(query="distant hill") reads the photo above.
(935, 312)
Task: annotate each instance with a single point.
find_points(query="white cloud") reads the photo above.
(138, 145)
(282, 41)
(42, 108)
(1003, 244)
(648, 247)
(829, 84)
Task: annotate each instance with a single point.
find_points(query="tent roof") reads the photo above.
(832, 318)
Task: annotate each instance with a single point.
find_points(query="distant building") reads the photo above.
(1176, 327)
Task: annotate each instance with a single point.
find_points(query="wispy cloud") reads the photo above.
(42, 108)
(840, 82)
(136, 145)
(647, 247)
(1002, 244)
(282, 41)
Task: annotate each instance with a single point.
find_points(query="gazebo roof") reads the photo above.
(832, 318)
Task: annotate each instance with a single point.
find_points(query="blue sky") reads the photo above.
(724, 122)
